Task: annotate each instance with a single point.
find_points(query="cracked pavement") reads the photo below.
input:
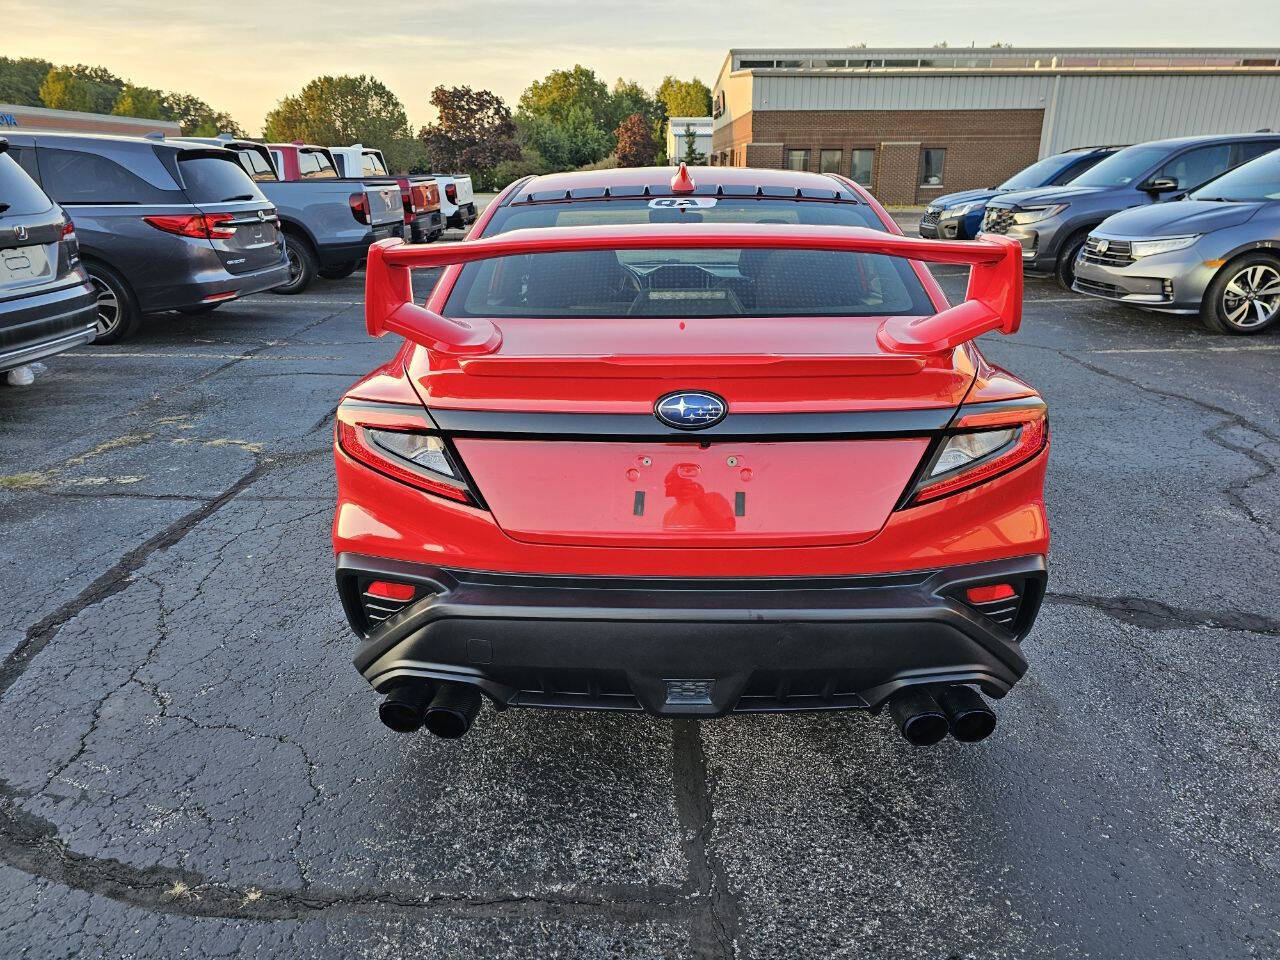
(193, 767)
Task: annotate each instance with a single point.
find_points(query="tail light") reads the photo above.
(68, 230)
(980, 447)
(399, 445)
(70, 243)
(203, 226)
(359, 207)
(451, 191)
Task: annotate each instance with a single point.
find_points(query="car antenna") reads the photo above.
(682, 182)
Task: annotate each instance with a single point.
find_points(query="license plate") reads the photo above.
(23, 264)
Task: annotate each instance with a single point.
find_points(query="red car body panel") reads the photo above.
(713, 507)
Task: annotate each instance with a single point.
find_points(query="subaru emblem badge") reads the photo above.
(690, 410)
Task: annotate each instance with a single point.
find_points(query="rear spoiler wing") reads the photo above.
(993, 301)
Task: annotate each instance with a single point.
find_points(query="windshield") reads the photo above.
(688, 283)
(1255, 182)
(1036, 175)
(1121, 169)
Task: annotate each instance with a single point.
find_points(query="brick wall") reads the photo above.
(983, 147)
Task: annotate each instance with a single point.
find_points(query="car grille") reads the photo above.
(997, 220)
(1117, 254)
(1100, 289)
(931, 216)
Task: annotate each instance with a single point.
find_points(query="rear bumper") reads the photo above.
(704, 647)
(214, 282)
(337, 254)
(35, 327)
(426, 226)
(464, 216)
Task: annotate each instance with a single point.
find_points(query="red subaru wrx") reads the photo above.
(691, 445)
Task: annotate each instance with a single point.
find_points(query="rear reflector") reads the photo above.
(219, 297)
(391, 591)
(998, 591)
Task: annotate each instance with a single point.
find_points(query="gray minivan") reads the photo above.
(1052, 223)
(162, 225)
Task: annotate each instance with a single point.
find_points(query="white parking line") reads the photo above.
(1242, 348)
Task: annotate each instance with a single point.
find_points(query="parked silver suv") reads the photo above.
(1052, 223)
(1217, 253)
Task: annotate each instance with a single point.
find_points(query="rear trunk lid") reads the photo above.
(243, 225)
(815, 424)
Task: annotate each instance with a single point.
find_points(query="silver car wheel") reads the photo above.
(1252, 297)
(108, 307)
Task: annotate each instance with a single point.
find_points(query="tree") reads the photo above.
(474, 132)
(692, 155)
(636, 146)
(139, 102)
(564, 92)
(103, 86)
(63, 90)
(575, 141)
(628, 98)
(334, 111)
(685, 98)
(20, 80)
(197, 118)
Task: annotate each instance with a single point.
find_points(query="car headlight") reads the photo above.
(1149, 248)
(1036, 214)
(964, 208)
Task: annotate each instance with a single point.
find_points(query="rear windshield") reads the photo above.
(19, 194)
(373, 164)
(688, 283)
(314, 165)
(217, 179)
(257, 165)
(1256, 181)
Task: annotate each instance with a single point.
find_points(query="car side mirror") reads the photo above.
(1161, 185)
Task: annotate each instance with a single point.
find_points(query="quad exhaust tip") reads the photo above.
(445, 709)
(924, 720)
(453, 710)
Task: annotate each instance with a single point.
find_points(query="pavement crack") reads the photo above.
(112, 580)
(1154, 615)
(714, 927)
(31, 844)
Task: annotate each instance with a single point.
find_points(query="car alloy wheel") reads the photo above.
(1252, 297)
(108, 307)
(295, 264)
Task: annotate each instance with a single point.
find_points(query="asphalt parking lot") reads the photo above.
(193, 767)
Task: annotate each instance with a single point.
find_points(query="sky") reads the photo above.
(242, 56)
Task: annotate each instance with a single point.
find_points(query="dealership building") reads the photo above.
(912, 123)
(14, 116)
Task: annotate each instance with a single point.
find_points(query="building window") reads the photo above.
(931, 163)
(861, 166)
(797, 159)
(830, 161)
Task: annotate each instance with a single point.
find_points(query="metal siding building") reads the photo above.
(980, 114)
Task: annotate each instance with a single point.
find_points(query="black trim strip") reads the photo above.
(741, 426)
